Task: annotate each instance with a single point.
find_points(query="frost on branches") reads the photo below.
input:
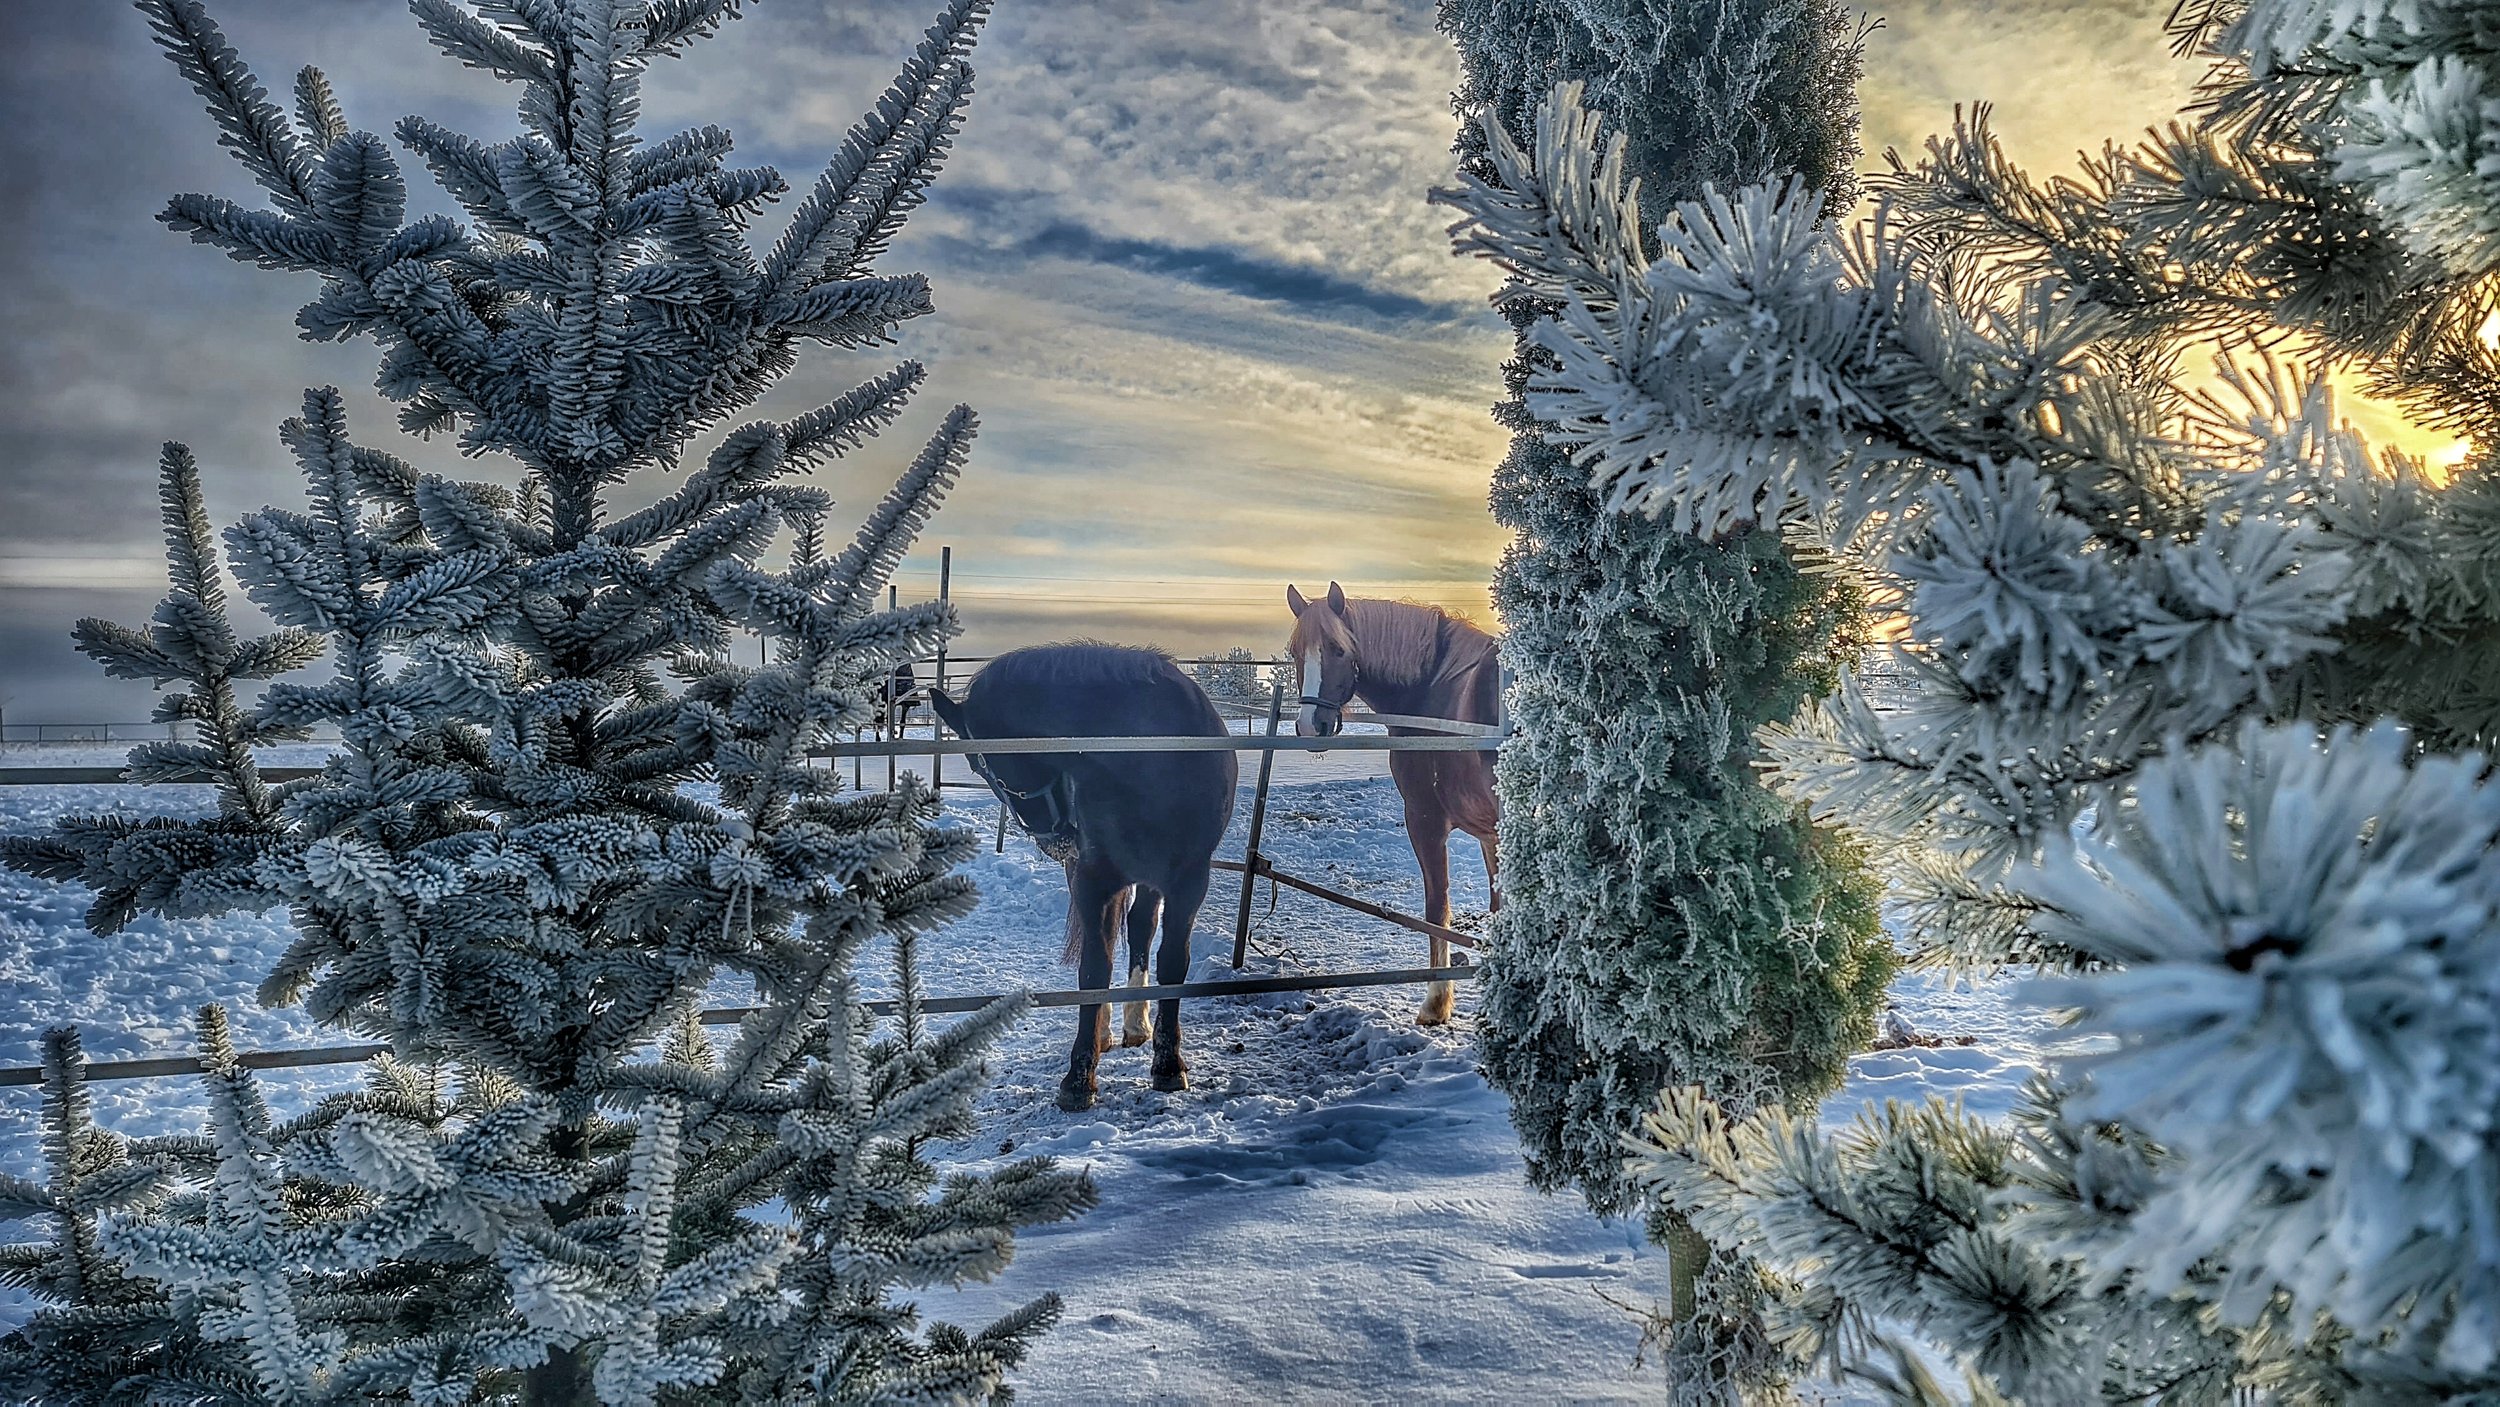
(2197, 722)
(1666, 918)
(558, 1189)
(1235, 678)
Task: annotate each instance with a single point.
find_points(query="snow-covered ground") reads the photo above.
(1334, 1211)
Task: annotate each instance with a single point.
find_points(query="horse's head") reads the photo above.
(1327, 661)
(899, 692)
(1022, 783)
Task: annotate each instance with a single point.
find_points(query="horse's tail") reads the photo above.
(1110, 930)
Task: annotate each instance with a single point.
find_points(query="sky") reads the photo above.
(1182, 258)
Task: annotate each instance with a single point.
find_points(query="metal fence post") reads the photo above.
(889, 726)
(937, 760)
(1258, 823)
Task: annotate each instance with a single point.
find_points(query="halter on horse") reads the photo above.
(1327, 641)
(1326, 715)
(1054, 831)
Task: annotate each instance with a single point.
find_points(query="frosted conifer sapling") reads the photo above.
(558, 813)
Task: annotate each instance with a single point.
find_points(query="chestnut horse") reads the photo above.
(1400, 657)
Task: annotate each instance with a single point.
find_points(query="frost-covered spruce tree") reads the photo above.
(1235, 678)
(1665, 917)
(2153, 617)
(558, 813)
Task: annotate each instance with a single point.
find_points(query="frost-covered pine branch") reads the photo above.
(1906, 1220)
(1976, 455)
(2265, 1160)
(2301, 1007)
(2011, 468)
(96, 1320)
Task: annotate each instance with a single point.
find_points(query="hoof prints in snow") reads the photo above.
(1338, 1138)
(1576, 1270)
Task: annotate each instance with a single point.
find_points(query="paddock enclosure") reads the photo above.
(1334, 1166)
(899, 736)
(908, 731)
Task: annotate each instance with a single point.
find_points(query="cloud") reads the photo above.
(1182, 256)
(129, 573)
(1298, 135)
(2065, 76)
(1309, 290)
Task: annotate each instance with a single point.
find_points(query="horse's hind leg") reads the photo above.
(1144, 911)
(1429, 831)
(1489, 840)
(1479, 813)
(1093, 891)
(1180, 911)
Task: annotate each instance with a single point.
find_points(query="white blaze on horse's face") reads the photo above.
(1306, 723)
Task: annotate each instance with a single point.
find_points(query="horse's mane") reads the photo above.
(1082, 663)
(1402, 642)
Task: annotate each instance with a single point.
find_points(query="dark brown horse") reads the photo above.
(1400, 657)
(1136, 830)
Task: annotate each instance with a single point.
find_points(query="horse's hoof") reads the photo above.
(1076, 1095)
(1437, 1005)
(1172, 1082)
(1136, 1036)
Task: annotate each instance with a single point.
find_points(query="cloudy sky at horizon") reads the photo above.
(1182, 257)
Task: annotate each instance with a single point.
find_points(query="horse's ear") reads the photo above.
(1295, 599)
(1336, 598)
(948, 711)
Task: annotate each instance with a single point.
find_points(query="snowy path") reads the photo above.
(1335, 1211)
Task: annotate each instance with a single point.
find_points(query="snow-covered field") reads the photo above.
(1334, 1211)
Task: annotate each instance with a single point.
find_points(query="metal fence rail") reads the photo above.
(1265, 868)
(160, 1066)
(918, 747)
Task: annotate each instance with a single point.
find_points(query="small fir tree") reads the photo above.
(2151, 615)
(517, 871)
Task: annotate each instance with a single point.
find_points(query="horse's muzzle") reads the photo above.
(1318, 720)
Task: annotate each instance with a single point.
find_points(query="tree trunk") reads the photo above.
(1687, 1253)
(564, 1379)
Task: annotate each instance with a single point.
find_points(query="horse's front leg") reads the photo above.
(1144, 912)
(1093, 897)
(1180, 912)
